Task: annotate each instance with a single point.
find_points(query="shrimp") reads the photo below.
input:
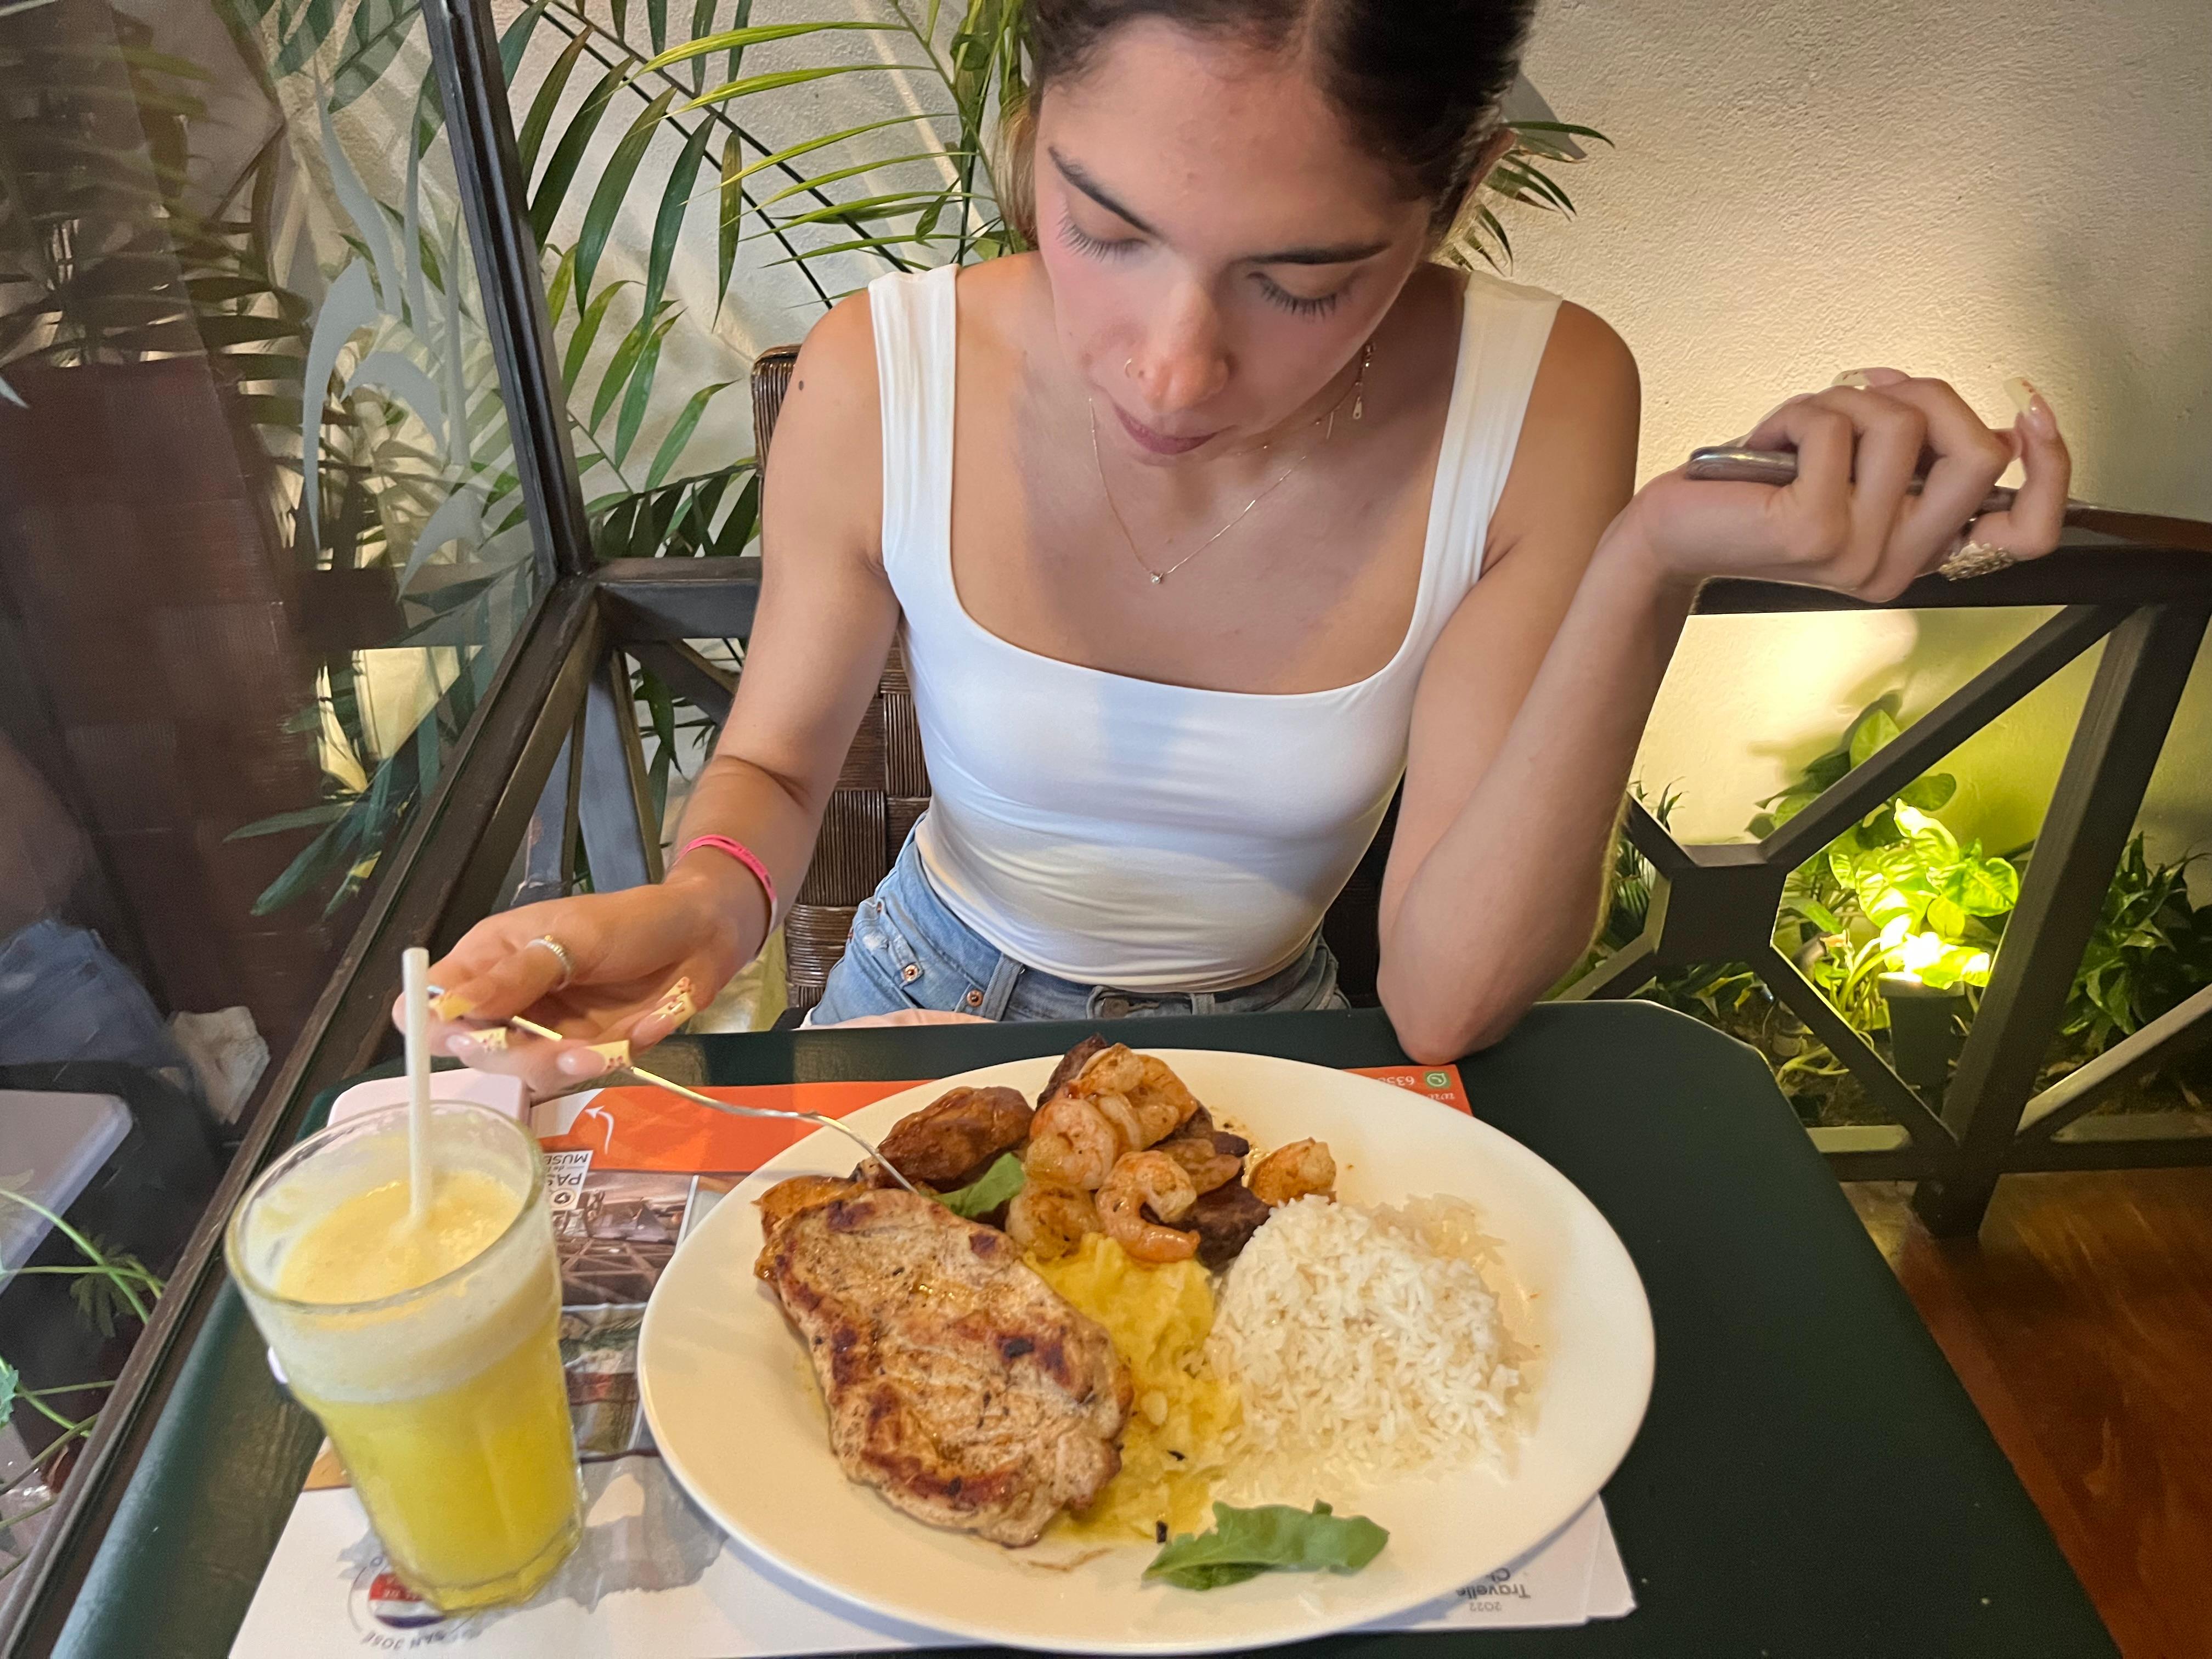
(1047, 1219)
(1137, 1093)
(1071, 1145)
(1163, 1104)
(1292, 1172)
(1142, 1179)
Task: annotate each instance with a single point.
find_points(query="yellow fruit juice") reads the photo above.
(428, 1349)
(474, 1484)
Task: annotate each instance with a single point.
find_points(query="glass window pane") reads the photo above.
(262, 547)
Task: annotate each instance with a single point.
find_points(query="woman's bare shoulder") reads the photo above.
(1003, 301)
(1586, 349)
(1586, 401)
(837, 360)
(824, 472)
(837, 363)
(1574, 466)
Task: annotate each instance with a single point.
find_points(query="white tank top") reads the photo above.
(1118, 831)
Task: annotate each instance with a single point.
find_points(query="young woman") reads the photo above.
(1201, 525)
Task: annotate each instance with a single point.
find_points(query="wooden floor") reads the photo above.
(2081, 1322)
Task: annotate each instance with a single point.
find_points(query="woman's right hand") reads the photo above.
(1850, 522)
(641, 963)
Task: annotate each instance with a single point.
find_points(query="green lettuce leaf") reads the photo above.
(989, 1190)
(1273, 1538)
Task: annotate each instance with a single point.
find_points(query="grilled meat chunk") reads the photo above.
(958, 1383)
(953, 1140)
(1071, 1066)
(1225, 1220)
(1200, 1126)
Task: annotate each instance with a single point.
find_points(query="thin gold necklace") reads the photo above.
(1358, 412)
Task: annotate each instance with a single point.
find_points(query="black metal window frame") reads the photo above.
(552, 756)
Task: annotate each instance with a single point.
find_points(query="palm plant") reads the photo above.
(961, 69)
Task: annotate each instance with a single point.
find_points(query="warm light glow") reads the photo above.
(1921, 950)
(1977, 965)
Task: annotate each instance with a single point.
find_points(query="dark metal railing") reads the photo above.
(1719, 903)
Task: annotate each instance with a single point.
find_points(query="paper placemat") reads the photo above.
(654, 1577)
(629, 1172)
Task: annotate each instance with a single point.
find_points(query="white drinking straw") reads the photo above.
(415, 981)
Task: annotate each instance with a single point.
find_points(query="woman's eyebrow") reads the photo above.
(1074, 172)
(1338, 253)
(1334, 253)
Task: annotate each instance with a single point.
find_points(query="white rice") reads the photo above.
(1367, 1345)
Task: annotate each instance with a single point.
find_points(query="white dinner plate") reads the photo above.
(730, 1394)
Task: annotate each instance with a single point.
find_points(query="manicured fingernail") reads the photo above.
(2034, 410)
(585, 1062)
(1853, 377)
(490, 1040)
(673, 1009)
(611, 1057)
(452, 1005)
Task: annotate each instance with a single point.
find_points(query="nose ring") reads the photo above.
(1129, 365)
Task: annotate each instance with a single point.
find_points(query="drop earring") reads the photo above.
(1359, 382)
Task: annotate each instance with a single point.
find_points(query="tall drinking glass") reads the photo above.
(430, 1349)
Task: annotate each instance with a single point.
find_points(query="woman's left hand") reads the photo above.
(1850, 521)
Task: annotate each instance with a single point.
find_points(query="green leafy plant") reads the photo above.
(399, 330)
(1628, 893)
(107, 1287)
(1897, 892)
(2151, 951)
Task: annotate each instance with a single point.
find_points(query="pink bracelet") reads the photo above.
(745, 855)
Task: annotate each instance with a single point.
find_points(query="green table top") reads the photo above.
(1811, 1480)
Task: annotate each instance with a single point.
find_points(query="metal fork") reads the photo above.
(516, 1022)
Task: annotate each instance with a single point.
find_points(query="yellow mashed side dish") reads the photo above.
(1182, 1415)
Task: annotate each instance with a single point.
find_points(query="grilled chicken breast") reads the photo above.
(959, 1384)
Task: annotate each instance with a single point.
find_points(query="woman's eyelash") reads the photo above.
(1298, 305)
(1098, 247)
(1101, 248)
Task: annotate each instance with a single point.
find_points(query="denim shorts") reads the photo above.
(906, 950)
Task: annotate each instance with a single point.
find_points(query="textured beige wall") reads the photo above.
(1975, 189)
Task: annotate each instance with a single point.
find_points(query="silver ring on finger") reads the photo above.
(561, 953)
(1974, 558)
